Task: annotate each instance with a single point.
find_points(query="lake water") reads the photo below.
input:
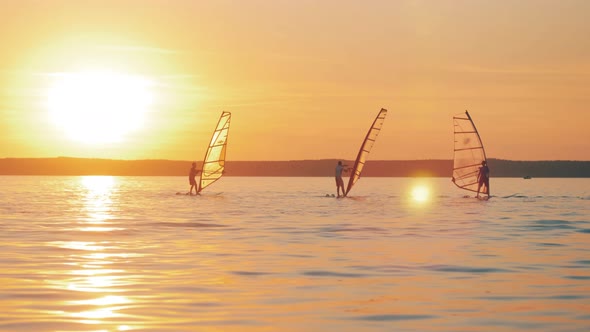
(275, 254)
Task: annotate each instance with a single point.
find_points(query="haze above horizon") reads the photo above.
(304, 80)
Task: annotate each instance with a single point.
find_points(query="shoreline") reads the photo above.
(292, 168)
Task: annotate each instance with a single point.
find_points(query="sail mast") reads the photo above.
(477, 134)
(368, 142)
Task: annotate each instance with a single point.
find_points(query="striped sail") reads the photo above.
(468, 154)
(214, 163)
(368, 142)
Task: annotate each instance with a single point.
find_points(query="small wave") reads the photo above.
(578, 277)
(466, 269)
(298, 255)
(250, 273)
(514, 196)
(356, 229)
(333, 274)
(551, 224)
(392, 317)
(547, 244)
(187, 224)
(585, 230)
(567, 297)
(506, 298)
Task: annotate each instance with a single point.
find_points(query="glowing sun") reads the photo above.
(98, 106)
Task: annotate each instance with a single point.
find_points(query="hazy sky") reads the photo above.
(305, 79)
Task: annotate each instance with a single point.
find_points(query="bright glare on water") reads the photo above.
(276, 254)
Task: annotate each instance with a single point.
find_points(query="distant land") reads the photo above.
(324, 167)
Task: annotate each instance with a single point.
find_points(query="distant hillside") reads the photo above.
(325, 167)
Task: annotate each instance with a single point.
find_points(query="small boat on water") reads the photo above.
(528, 177)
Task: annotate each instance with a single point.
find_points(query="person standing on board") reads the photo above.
(191, 179)
(339, 181)
(483, 177)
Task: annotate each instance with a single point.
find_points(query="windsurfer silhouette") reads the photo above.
(483, 177)
(191, 179)
(339, 181)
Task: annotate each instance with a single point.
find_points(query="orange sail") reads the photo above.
(368, 142)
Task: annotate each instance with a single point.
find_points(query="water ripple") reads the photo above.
(126, 254)
(381, 318)
(467, 269)
(333, 274)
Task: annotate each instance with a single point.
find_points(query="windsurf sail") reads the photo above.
(469, 154)
(214, 163)
(368, 142)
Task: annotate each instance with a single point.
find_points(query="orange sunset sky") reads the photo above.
(303, 79)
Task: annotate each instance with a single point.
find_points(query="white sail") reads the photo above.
(468, 154)
(368, 142)
(214, 162)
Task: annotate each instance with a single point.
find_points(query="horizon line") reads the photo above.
(286, 160)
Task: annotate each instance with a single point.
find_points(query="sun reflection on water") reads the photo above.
(105, 300)
(98, 185)
(98, 203)
(420, 193)
(94, 274)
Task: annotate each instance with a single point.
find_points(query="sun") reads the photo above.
(98, 106)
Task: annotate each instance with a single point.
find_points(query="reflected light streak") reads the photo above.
(94, 284)
(94, 272)
(103, 301)
(100, 229)
(98, 217)
(98, 185)
(98, 202)
(87, 275)
(101, 256)
(78, 245)
(96, 314)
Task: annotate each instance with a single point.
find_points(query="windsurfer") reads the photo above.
(191, 179)
(483, 177)
(339, 181)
